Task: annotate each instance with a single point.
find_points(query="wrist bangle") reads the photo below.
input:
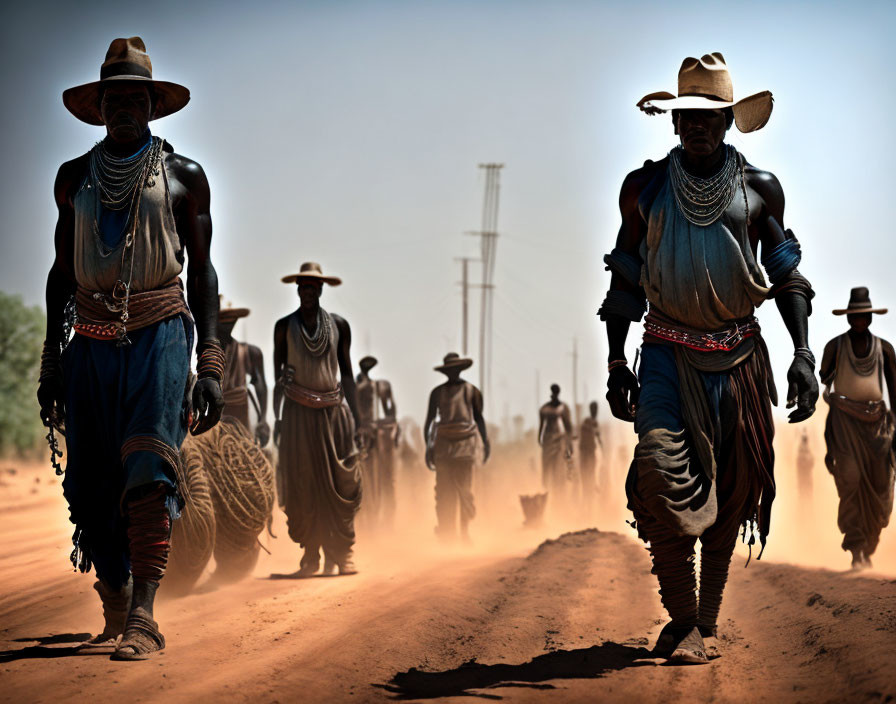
(211, 361)
(806, 354)
(617, 363)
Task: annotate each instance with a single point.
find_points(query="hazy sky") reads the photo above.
(349, 133)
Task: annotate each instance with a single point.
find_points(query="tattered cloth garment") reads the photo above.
(318, 462)
(859, 437)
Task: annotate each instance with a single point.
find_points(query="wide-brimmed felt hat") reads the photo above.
(452, 360)
(705, 84)
(126, 60)
(311, 270)
(228, 312)
(368, 362)
(859, 302)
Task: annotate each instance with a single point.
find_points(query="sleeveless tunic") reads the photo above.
(455, 432)
(236, 391)
(319, 474)
(702, 277)
(859, 379)
(158, 255)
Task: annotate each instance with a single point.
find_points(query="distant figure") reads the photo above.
(589, 441)
(452, 421)
(555, 438)
(243, 361)
(805, 461)
(379, 433)
(320, 474)
(859, 428)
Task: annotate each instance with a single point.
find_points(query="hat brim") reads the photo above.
(368, 361)
(859, 311)
(461, 363)
(84, 101)
(750, 114)
(331, 280)
(226, 314)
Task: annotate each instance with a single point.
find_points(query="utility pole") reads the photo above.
(488, 241)
(465, 285)
(575, 381)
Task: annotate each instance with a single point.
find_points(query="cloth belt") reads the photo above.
(99, 314)
(312, 398)
(659, 327)
(869, 411)
(236, 395)
(456, 431)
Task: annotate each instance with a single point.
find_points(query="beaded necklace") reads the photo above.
(703, 200)
(318, 343)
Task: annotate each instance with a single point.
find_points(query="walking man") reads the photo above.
(589, 442)
(129, 211)
(243, 361)
(453, 418)
(691, 226)
(321, 479)
(859, 427)
(379, 435)
(555, 437)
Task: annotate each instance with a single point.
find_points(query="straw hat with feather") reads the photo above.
(705, 84)
(126, 60)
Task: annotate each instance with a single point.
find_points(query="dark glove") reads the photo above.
(262, 433)
(802, 389)
(623, 391)
(277, 432)
(208, 404)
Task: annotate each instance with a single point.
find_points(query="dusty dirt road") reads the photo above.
(569, 620)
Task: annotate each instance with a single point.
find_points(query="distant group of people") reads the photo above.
(132, 211)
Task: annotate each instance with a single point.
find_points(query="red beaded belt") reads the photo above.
(99, 314)
(662, 328)
(312, 398)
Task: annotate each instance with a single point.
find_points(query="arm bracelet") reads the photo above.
(211, 361)
(806, 354)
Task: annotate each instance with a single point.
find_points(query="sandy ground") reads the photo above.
(520, 616)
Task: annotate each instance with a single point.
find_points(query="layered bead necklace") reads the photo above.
(318, 343)
(703, 200)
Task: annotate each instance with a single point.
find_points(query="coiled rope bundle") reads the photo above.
(193, 535)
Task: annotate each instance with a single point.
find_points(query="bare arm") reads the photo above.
(343, 355)
(541, 424)
(480, 423)
(60, 288)
(256, 378)
(802, 387)
(890, 372)
(280, 329)
(829, 363)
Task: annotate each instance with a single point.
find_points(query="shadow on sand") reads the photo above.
(42, 651)
(585, 663)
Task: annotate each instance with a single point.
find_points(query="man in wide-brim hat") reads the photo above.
(453, 419)
(701, 404)
(859, 429)
(243, 363)
(316, 414)
(379, 435)
(129, 211)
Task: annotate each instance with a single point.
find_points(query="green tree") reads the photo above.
(22, 332)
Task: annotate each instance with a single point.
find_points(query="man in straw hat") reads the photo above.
(691, 227)
(453, 418)
(129, 209)
(379, 434)
(859, 428)
(320, 476)
(243, 361)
